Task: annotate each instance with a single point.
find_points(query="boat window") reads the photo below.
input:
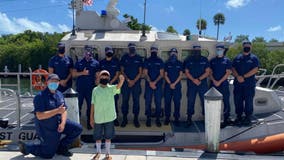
(186, 52)
(77, 53)
(262, 101)
(119, 52)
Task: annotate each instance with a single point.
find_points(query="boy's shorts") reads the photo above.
(104, 131)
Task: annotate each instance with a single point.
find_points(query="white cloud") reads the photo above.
(153, 28)
(274, 29)
(18, 25)
(170, 9)
(237, 3)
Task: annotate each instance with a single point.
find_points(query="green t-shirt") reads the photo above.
(103, 100)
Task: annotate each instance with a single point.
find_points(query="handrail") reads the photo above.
(273, 73)
(17, 96)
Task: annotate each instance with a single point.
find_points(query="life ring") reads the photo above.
(39, 81)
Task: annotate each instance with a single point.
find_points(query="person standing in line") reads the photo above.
(220, 71)
(154, 72)
(61, 65)
(131, 67)
(111, 64)
(103, 112)
(51, 123)
(85, 71)
(173, 75)
(196, 70)
(245, 67)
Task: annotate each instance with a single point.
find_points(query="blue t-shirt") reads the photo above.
(173, 68)
(243, 64)
(87, 82)
(131, 65)
(45, 101)
(111, 66)
(196, 67)
(219, 65)
(154, 65)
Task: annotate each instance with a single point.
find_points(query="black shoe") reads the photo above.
(64, 152)
(124, 122)
(238, 121)
(158, 122)
(188, 122)
(22, 148)
(116, 122)
(148, 122)
(167, 121)
(226, 122)
(247, 121)
(176, 122)
(136, 122)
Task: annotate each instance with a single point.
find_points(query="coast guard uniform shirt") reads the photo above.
(131, 65)
(243, 64)
(87, 82)
(219, 65)
(45, 101)
(111, 66)
(173, 69)
(154, 65)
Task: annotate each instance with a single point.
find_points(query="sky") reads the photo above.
(256, 18)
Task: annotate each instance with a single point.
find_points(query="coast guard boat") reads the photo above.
(265, 135)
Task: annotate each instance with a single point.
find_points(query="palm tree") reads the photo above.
(201, 24)
(219, 18)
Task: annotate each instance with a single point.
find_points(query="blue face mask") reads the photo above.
(219, 53)
(61, 50)
(173, 58)
(53, 86)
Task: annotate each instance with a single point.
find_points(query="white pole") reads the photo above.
(213, 102)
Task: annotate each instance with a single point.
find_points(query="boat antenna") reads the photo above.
(143, 26)
(200, 19)
(73, 18)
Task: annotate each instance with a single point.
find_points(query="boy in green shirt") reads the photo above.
(103, 111)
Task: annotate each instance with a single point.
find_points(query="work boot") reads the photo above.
(247, 121)
(64, 152)
(148, 122)
(136, 121)
(158, 122)
(22, 148)
(188, 122)
(116, 122)
(124, 121)
(176, 122)
(167, 121)
(238, 121)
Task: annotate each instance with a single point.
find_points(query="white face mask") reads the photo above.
(219, 52)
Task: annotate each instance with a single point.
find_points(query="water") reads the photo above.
(24, 84)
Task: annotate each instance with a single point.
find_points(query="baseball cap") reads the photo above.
(174, 50)
(53, 76)
(131, 45)
(108, 49)
(246, 42)
(220, 46)
(104, 72)
(60, 45)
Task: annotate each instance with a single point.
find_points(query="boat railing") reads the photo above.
(16, 95)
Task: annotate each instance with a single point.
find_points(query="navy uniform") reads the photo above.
(221, 69)
(173, 75)
(245, 66)
(50, 117)
(62, 65)
(111, 64)
(131, 67)
(85, 70)
(153, 70)
(196, 70)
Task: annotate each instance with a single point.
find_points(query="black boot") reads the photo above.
(64, 152)
(247, 121)
(167, 121)
(136, 121)
(148, 122)
(124, 121)
(238, 121)
(226, 122)
(188, 121)
(158, 122)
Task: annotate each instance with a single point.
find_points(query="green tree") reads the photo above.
(241, 38)
(186, 32)
(134, 24)
(258, 40)
(218, 19)
(201, 24)
(171, 29)
(273, 40)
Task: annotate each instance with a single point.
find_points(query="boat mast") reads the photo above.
(143, 26)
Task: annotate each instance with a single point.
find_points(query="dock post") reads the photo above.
(71, 100)
(213, 102)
